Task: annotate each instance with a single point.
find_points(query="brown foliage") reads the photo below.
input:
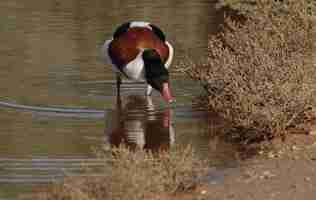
(259, 75)
(132, 175)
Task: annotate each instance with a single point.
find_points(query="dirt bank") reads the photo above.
(287, 172)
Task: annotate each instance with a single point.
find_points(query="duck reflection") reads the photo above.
(138, 124)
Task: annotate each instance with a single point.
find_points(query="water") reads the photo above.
(57, 99)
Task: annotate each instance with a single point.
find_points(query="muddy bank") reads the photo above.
(286, 172)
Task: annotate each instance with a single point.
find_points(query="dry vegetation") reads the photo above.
(247, 6)
(129, 175)
(259, 74)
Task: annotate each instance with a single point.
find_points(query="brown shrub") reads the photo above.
(247, 6)
(259, 75)
(129, 175)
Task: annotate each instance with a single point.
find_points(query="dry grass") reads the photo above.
(247, 6)
(129, 175)
(259, 75)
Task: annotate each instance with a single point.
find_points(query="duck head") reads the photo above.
(156, 74)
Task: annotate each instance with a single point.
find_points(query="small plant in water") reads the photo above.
(132, 175)
(259, 74)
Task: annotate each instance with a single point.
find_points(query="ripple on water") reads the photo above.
(60, 100)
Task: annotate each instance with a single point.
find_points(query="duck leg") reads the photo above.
(149, 90)
(118, 87)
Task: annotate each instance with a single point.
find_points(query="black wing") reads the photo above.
(158, 32)
(121, 29)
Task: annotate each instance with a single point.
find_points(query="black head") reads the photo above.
(155, 72)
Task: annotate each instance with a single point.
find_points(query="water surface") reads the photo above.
(58, 100)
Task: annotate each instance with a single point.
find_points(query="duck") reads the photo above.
(139, 51)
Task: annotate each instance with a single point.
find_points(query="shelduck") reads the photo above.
(140, 52)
